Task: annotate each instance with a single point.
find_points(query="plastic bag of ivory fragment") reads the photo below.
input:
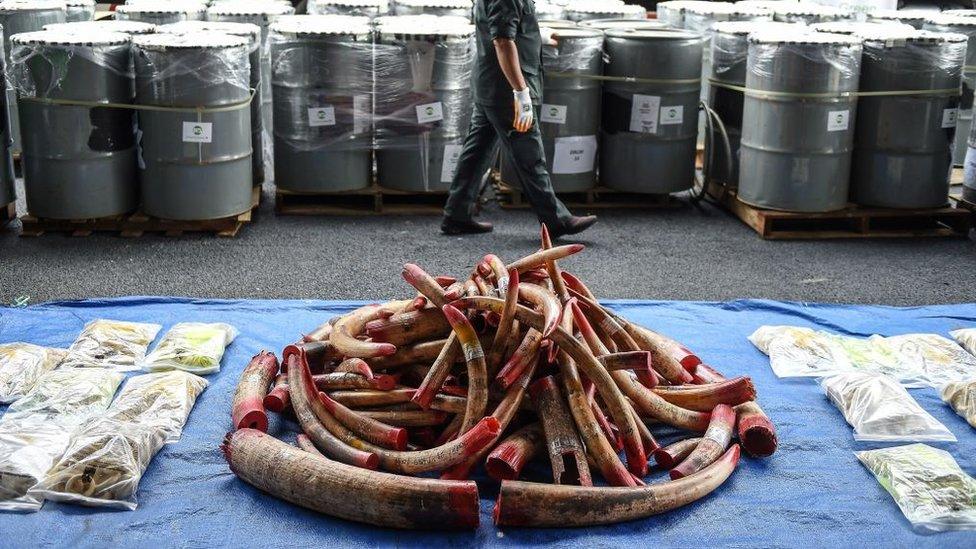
(930, 488)
(935, 360)
(38, 428)
(21, 365)
(107, 458)
(966, 338)
(799, 352)
(880, 409)
(111, 344)
(192, 347)
(961, 395)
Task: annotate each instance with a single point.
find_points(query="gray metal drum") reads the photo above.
(253, 34)
(456, 8)
(583, 10)
(322, 77)
(557, 24)
(196, 165)
(647, 141)
(798, 120)
(132, 28)
(969, 170)
(569, 118)
(903, 143)
(730, 52)
(672, 12)
(78, 162)
(79, 10)
(611, 24)
(551, 11)
(423, 100)
(364, 8)
(7, 177)
(967, 26)
(17, 16)
(914, 18)
(261, 14)
(809, 13)
(161, 13)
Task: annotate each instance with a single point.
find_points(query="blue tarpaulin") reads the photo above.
(812, 492)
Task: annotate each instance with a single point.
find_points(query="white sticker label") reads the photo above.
(554, 114)
(430, 112)
(949, 118)
(674, 114)
(449, 167)
(837, 121)
(321, 116)
(643, 113)
(574, 154)
(360, 113)
(197, 132)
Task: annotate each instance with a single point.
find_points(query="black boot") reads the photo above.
(469, 226)
(573, 225)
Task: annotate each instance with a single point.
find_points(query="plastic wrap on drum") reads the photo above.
(79, 10)
(455, 8)
(964, 120)
(364, 8)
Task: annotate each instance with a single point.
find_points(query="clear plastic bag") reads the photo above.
(880, 409)
(22, 364)
(961, 395)
(799, 352)
(111, 344)
(107, 458)
(934, 359)
(38, 428)
(966, 338)
(193, 347)
(930, 488)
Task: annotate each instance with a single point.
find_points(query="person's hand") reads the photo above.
(549, 36)
(524, 114)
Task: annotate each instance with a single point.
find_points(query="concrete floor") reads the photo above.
(685, 254)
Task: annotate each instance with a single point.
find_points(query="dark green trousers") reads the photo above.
(491, 124)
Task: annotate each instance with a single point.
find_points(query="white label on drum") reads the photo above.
(837, 121)
(321, 116)
(197, 132)
(430, 112)
(449, 167)
(674, 114)
(360, 113)
(949, 117)
(554, 114)
(643, 113)
(574, 154)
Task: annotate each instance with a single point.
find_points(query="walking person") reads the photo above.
(507, 87)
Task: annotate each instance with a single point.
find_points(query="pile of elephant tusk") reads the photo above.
(400, 402)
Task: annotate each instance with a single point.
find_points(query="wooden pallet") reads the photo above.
(851, 222)
(137, 224)
(8, 213)
(511, 197)
(374, 200)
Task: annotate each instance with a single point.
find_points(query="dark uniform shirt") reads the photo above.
(513, 19)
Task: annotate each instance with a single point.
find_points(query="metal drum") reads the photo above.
(903, 143)
(161, 13)
(457, 8)
(647, 142)
(914, 18)
(729, 52)
(809, 13)
(798, 120)
(17, 16)
(969, 171)
(253, 34)
(672, 12)
(547, 10)
(610, 24)
(78, 162)
(569, 118)
(423, 100)
(967, 26)
(584, 10)
(323, 94)
(261, 14)
(557, 24)
(7, 177)
(79, 10)
(365, 8)
(197, 165)
(131, 28)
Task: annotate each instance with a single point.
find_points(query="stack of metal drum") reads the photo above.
(457, 8)
(967, 26)
(162, 13)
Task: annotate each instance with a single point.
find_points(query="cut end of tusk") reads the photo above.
(758, 435)
(384, 382)
(250, 414)
(464, 501)
(277, 400)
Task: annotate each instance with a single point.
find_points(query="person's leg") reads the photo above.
(471, 167)
(529, 160)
